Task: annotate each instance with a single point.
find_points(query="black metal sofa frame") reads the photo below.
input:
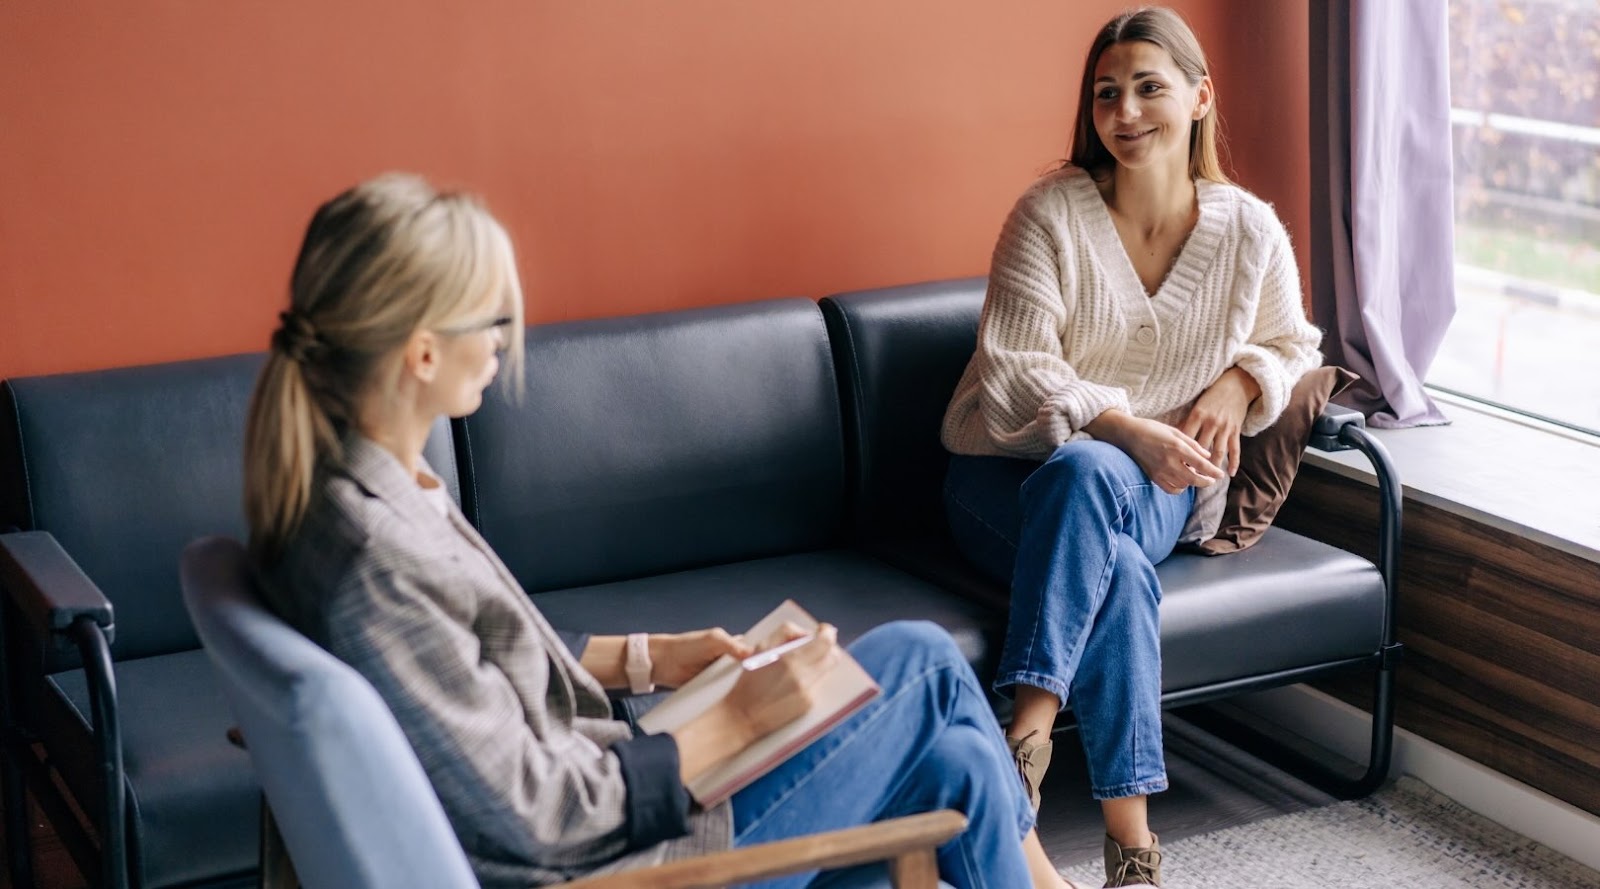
(663, 471)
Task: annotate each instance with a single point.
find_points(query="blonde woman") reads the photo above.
(403, 303)
(1143, 313)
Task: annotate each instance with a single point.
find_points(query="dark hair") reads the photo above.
(1166, 29)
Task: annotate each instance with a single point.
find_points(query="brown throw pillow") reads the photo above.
(1269, 460)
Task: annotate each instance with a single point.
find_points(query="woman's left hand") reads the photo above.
(679, 657)
(1217, 415)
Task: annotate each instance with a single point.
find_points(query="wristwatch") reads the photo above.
(638, 666)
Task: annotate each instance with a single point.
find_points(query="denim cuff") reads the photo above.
(1136, 788)
(1003, 683)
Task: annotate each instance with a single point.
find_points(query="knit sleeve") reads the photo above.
(1032, 400)
(1282, 345)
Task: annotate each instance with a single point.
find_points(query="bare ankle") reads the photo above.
(1128, 821)
(1034, 711)
(1132, 839)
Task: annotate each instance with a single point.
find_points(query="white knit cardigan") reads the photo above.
(1069, 332)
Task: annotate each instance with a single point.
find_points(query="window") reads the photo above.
(1525, 97)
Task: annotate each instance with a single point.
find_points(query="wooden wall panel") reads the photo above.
(1502, 636)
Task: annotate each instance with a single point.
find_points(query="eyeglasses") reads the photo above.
(499, 323)
(499, 326)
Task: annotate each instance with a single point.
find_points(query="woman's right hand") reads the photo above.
(1172, 459)
(768, 698)
(761, 701)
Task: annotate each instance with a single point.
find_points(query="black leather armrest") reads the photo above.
(69, 621)
(1325, 429)
(50, 591)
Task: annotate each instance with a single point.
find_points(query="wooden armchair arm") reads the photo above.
(907, 843)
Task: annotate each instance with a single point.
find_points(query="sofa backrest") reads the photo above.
(660, 442)
(900, 352)
(125, 467)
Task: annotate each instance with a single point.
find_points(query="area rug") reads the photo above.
(1406, 835)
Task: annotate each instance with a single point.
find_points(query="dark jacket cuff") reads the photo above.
(658, 803)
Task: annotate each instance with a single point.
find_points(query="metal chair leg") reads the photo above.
(19, 842)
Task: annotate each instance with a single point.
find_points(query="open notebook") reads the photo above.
(844, 690)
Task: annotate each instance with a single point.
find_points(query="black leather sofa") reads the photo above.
(661, 472)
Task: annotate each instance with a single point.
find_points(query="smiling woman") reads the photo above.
(1144, 112)
(1144, 106)
(1173, 57)
(1143, 314)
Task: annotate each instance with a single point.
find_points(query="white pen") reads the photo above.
(762, 658)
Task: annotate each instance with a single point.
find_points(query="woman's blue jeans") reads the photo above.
(929, 741)
(1078, 538)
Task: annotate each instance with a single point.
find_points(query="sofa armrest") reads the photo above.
(51, 593)
(1327, 427)
(908, 843)
(1339, 428)
(69, 621)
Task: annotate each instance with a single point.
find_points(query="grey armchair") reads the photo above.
(353, 807)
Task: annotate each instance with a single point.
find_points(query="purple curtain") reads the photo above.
(1383, 252)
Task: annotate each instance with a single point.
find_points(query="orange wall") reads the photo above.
(1258, 56)
(159, 160)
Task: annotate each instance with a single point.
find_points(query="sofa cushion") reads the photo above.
(1288, 603)
(1269, 461)
(900, 352)
(847, 588)
(193, 802)
(126, 466)
(660, 442)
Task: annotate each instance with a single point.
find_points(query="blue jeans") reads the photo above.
(1079, 545)
(929, 741)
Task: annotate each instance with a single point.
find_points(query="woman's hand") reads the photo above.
(762, 701)
(1218, 413)
(1171, 457)
(768, 698)
(679, 657)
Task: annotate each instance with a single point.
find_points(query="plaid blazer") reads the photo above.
(513, 733)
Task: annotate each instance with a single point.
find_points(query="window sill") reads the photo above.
(1521, 477)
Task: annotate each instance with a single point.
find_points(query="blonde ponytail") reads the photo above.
(286, 437)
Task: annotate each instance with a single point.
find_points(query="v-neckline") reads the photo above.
(1199, 247)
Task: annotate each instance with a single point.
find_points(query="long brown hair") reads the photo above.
(1166, 29)
(379, 261)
